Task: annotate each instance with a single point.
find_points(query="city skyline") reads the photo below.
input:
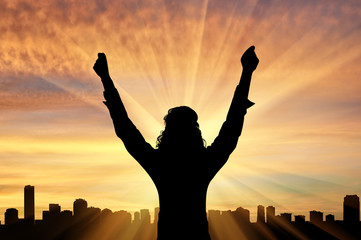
(87, 222)
(263, 214)
(300, 146)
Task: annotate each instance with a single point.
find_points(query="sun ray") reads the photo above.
(143, 111)
(164, 98)
(302, 77)
(213, 76)
(169, 61)
(198, 34)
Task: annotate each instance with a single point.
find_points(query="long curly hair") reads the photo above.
(181, 130)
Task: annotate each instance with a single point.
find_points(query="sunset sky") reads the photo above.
(301, 145)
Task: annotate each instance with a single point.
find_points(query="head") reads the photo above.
(181, 130)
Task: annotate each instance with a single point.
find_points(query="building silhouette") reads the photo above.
(214, 214)
(66, 214)
(53, 213)
(260, 214)
(330, 218)
(136, 219)
(351, 209)
(214, 217)
(80, 208)
(94, 210)
(54, 208)
(11, 216)
(316, 217)
(242, 215)
(123, 216)
(46, 215)
(29, 204)
(145, 216)
(286, 217)
(300, 218)
(156, 215)
(270, 213)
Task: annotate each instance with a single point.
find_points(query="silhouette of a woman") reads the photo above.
(181, 167)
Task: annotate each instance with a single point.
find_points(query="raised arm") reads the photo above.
(111, 95)
(124, 127)
(240, 101)
(226, 141)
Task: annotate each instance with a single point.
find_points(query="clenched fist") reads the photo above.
(249, 59)
(101, 66)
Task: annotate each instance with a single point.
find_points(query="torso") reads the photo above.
(182, 181)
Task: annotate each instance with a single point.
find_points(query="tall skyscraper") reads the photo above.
(260, 214)
(156, 215)
(270, 213)
(80, 207)
(136, 218)
(145, 216)
(29, 204)
(351, 209)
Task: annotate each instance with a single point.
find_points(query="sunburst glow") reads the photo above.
(300, 143)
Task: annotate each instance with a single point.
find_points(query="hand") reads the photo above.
(101, 66)
(249, 59)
